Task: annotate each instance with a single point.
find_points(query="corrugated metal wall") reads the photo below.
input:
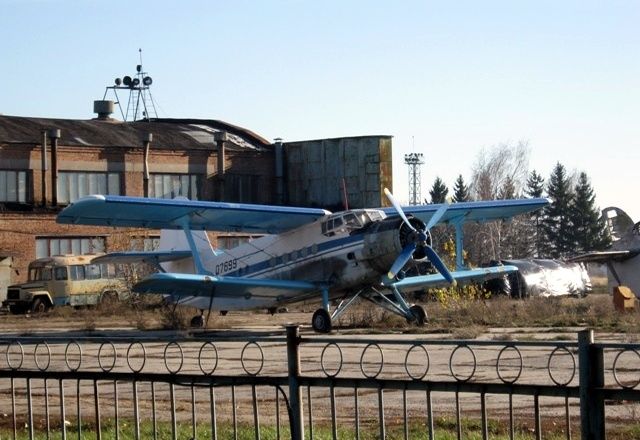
(317, 169)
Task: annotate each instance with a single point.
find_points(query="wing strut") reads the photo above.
(197, 260)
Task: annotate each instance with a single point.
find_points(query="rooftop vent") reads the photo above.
(104, 109)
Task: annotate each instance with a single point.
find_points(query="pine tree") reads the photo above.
(460, 191)
(589, 232)
(535, 189)
(438, 191)
(535, 185)
(556, 224)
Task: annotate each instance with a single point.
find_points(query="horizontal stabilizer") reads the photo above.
(152, 257)
(604, 256)
(461, 276)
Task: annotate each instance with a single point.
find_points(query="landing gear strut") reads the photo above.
(321, 321)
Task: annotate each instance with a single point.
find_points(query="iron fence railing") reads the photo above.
(391, 386)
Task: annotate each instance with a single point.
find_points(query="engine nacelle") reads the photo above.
(384, 241)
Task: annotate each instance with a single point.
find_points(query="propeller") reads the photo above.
(418, 237)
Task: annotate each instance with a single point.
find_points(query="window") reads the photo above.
(231, 241)
(60, 273)
(77, 272)
(75, 185)
(169, 186)
(48, 246)
(92, 271)
(13, 186)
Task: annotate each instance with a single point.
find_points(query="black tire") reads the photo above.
(321, 321)
(419, 315)
(197, 321)
(39, 305)
(109, 298)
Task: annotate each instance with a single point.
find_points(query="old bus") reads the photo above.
(65, 280)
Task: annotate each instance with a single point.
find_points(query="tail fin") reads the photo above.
(176, 240)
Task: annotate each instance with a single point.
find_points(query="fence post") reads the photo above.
(591, 361)
(295, 399)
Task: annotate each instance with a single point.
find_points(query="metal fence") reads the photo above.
(297, 387)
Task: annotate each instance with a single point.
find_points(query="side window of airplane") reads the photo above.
(303, 252)
(285, 258)
(273, 261)
(314, 248)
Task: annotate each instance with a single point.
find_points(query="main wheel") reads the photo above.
(39, 305)
(321, 321)
(419, 314)
(197, 321)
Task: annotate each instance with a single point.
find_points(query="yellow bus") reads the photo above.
(65, 280)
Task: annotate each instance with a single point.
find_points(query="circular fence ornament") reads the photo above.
(627, 384)
(167, 351)
(380, 364)
(243, 361)
(114, 356)
(17, 352)
(73, 349)
(557, 353)
(414, 352)
(323, 359)
(202, 357)
(458, 375)
(42, 346)
(501, 370)
(133, 368)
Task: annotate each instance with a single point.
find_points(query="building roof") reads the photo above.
(167, 133)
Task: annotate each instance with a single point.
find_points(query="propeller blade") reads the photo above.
(402, 259)
(398, 209)
(437, 216)
(439, 265)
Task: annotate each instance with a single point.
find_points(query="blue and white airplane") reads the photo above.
(307, 252)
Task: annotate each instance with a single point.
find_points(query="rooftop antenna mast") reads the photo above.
(414, 160)
(140, 105)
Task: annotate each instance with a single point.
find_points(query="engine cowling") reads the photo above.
(384, 241)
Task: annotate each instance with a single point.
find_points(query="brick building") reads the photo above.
(107, 156)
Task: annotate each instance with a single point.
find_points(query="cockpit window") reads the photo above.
(350, 220)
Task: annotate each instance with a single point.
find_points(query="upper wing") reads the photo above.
(180, 285)
(435, 280)
(482, 211)
(153, 257)
(605, 256)
(175, 214)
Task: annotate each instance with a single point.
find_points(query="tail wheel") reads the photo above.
(197, 321)
(39, 305)
(321, 321)
(419, 315)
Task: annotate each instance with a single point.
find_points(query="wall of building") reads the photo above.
(318, 172)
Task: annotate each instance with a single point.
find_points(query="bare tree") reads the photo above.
(499, 172)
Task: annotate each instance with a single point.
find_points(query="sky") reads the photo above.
(445, 78)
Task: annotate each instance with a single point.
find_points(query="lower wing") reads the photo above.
(189, 285)
(436, 280)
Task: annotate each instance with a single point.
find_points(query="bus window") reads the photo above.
(92, 272)
(60, 273)
(107, 270)
(77, 272)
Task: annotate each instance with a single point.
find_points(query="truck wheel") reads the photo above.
(39, 306)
